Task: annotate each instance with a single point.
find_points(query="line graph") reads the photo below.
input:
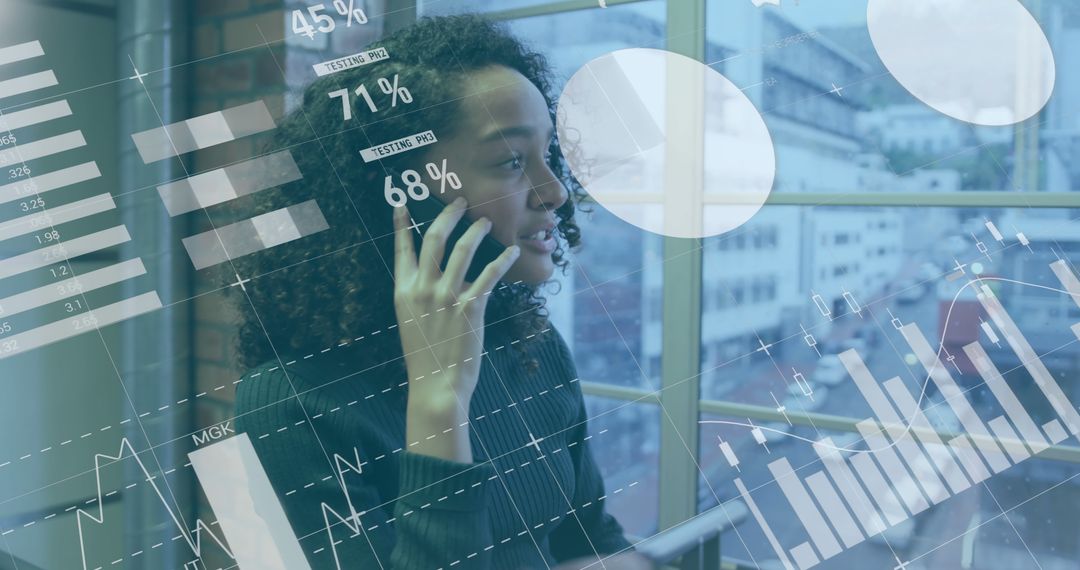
(352, 521)
(246, 507)
(193, 538)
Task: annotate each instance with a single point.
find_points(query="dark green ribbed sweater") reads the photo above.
(513, 508)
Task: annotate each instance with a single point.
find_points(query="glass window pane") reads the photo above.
(611, 296)
(626, 445)
(444, 7)
(887, 286)
(841, 123)
(609, 303)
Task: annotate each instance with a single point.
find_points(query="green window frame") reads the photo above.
(681, 321)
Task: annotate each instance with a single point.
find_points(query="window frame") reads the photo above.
(681, 362)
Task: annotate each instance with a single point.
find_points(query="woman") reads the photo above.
(420, 420)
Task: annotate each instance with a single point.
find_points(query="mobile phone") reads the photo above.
(423, 212)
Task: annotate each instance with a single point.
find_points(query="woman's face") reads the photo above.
(499, 151)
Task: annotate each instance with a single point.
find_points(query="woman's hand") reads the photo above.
(441, 323)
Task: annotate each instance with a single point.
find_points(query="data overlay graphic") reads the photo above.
(539, 284)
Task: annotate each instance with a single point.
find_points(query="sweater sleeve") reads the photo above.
(439, 515)
(590, 527)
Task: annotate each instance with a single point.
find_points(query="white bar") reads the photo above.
(895, 426)
(961, 445)
(834, 510)
(820, 302)
(49, 181)
(79, 324)
(64, 250)
(1031, 361)
(1023, 239)
(27, 83)
(246, 506)
(51, 146)
(254, 234)
(20, 52)
(754, 510)
(804, 556)
(729, 454)
(903, 483)
(1055, 432)
(954, 396)
(203, 131)
(350, 61)
(759, 436)
(879, 489)
(990, 334)
(994, 231)
(849, 487)
(53, 292)
(926, 433)
(1008, 439)
(34, 115)
(225, 184)
(804, 508)
(398, 146)
(1009, 402)
(56, 216)
(1068, 279)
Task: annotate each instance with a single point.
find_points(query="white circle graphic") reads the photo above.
(985, 62)
(626, 116)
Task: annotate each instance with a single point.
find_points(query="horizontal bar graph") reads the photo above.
(1055, 432)
(56, 216)
(255, 234)
(879, 404)
(1030, 360)
(807, 513)
(900, 479)
(969, 458)
(67, 250)
(954, 397)
(50, 181)
(34, 115)
(224, 184)
(203, 131)
(34, 217)
(27, 83)
(834, 510)
(853, 493)
(927, 435)
(53, 292)
(50, 146)
(804, 556)
(765, 528)
(21, 52)
(79, 324)
(906, 464)
(246, 506)
(1008, 439)
(1009, 402)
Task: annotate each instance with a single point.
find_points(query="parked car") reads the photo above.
(830, 371)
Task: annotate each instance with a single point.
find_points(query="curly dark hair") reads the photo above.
(353, 295)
